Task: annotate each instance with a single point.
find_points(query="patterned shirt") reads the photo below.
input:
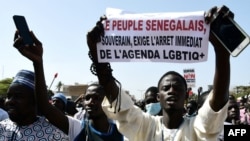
(40, 130)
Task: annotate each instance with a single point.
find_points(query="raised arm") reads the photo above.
(102, 70)
(222, 71)
(35, 54)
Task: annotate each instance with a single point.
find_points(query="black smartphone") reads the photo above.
(229, 33)
(23, 29)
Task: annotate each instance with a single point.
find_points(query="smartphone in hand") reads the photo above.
(23, 29)
(229, 33)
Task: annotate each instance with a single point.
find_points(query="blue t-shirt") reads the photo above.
(89, 133)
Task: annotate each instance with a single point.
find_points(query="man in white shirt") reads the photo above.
(139, 126)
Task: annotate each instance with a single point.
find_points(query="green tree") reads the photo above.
(59, 86)
(240, 91)
(4, 85)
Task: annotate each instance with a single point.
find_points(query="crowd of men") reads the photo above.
(108, 112)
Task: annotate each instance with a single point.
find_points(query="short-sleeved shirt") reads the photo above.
(74, 127)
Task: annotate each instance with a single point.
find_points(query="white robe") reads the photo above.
(137, 125)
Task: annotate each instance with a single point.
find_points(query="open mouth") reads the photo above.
(171, 100)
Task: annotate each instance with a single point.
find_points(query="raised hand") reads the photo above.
(209, 17)
(94, 36)
(33, 52)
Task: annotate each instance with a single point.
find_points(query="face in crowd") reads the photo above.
(92, 101)
(191, 107)
(60, 101)
(233, 110)
(151, 95)
(172, 92)
(20, 103)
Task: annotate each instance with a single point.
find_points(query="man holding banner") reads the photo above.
(139, 126)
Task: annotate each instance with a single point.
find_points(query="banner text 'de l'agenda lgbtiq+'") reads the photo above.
(180, 37)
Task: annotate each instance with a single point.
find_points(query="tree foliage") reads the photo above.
(59, 86)
(4, 85)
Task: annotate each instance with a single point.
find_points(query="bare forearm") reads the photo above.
(221, 84)
(41, 90)
(106, 79)
(110, 88)
(103, 72)
(55, 116)
(222, 75)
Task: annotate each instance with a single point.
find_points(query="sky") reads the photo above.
(62, 25)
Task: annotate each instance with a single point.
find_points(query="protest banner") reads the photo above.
(156, 37)
(189, 75)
